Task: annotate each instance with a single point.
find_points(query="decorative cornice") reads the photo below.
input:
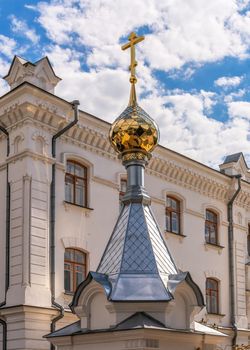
(187, 178)
(30, 105)
(28, 153)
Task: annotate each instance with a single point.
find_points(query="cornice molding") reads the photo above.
(187, 178)
(30, 105)
(28, 153)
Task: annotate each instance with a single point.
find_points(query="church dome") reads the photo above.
(134, 130)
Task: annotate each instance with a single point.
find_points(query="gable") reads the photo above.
(40, 74)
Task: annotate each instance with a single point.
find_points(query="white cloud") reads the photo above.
(180, 32)
(20, 27)
(239, 109)
(228, 81)
(7, 46)
(234, 95)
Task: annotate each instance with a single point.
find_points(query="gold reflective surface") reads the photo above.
(134, 130)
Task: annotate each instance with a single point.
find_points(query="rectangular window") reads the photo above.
(76, 183)
(173, 215)
(211, 235)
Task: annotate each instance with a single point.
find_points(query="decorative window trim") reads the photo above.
(214, 274)
(78, 158)
(176, 195)
(212, 246)
(69, 242)
(68, 205)
(17, 143)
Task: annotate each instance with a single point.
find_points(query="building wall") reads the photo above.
(32, 117)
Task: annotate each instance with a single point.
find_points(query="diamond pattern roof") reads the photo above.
(112, 257)
(136, 258)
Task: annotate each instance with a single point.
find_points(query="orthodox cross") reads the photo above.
(133, 40)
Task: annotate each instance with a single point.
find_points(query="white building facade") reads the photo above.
(191, 203)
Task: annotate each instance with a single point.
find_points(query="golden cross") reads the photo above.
(133, 40)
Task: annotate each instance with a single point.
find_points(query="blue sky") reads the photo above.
(193, 65)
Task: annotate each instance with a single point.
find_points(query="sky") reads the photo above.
(193, 66)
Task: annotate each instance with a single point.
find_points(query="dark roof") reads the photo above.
(233, 158)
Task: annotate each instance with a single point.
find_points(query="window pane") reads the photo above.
(68, 278)
(173, 203)
(168, 227)
(175, 223)
(79, 257)
(210, 216)
(80, 274)
(208, 303)
(69, 189)
(80, 192)
(207, 233)
(168, 202)
(70, 168)
(69, 254)
(212, 235)
(214, 302)
(80, 170)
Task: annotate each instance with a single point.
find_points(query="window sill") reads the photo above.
(69, 293)
(179, 235)
(215, 314)
(68, 205)
(213, 246)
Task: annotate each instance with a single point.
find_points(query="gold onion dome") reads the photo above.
(134, 130)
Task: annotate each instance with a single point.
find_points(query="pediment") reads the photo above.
(40, 74)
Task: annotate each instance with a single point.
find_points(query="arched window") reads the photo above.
(173, 215)
(76, 183)
(75, 268)
(211, 229)
(212, 296)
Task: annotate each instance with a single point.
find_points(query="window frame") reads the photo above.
(209, 294)
(170, 210)
(74, 178)
(73, 270)
(209, 224)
